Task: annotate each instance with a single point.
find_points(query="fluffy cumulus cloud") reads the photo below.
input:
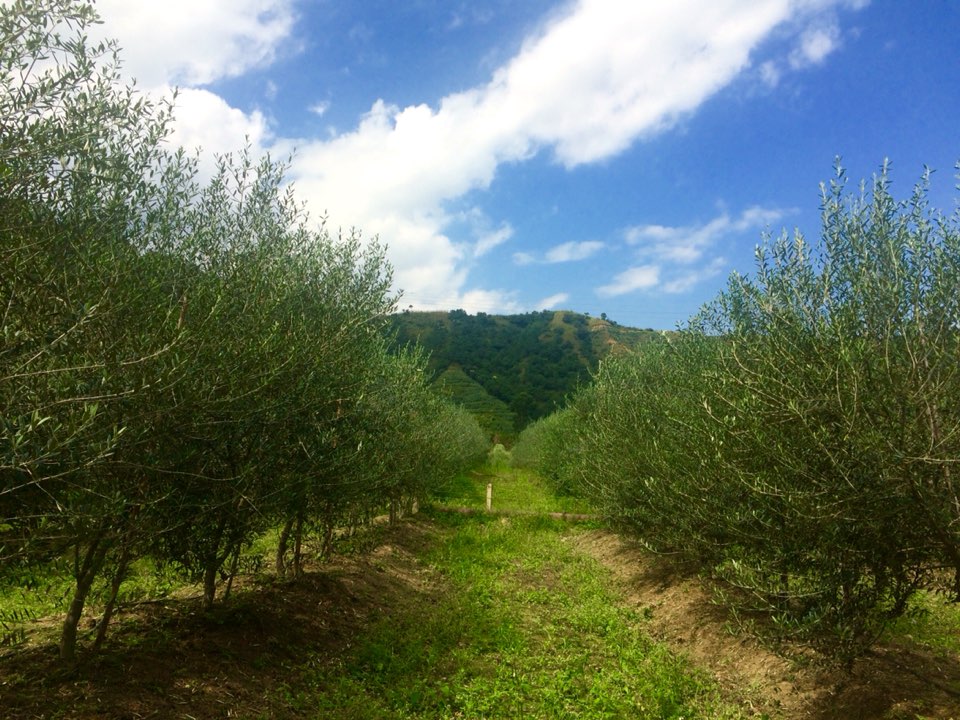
(585, 86)
(594, 81)
(474, 301)
(191, 42)
(206, 122)
(187, 44)
(677, 258)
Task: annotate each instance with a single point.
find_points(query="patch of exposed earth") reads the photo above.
(168, 659)
(894, 681)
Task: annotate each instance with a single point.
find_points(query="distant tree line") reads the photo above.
(800, 439)
(184, 363)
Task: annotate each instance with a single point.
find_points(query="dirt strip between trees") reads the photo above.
(893, 681)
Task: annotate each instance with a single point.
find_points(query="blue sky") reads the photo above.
(605, 156)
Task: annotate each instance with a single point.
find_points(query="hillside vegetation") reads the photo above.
(510, 370)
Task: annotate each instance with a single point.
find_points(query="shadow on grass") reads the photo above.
(465, 489)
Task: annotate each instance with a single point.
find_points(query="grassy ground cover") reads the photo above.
(514, 490)
(934, 623)
(526, 628)
(444, 616)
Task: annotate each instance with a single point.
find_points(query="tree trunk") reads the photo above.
(298, 546)
(783, 594)
(209, 585)
(84, 572)
(122, 564)
(281, 562)
(212, 564)
(327, 540)
(234, 564)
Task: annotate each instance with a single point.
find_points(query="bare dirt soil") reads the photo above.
(894, 681)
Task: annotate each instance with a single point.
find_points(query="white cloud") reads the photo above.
(478, 225)
(565, 252)
(809, 38)
(489, 301)
(594, 81)
(549, 303)
(584, 87)
(188, 43)
(488, 241)
(770, 73)
(642, 277)
(679, 254)
(205, 121)
(688, 244)
(686, 280)
(428, 267)
(814, 45)
(319, 108)
(194, 42)
(756, 216)
(573, 251)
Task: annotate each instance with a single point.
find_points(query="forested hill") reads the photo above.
(512, 369)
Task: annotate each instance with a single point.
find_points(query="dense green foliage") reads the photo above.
(529, 363)
(183, 364)
(799, 439)
(548, 446)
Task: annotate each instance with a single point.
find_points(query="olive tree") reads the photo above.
(166, 346)
(833, 399)
(799, 437)
(85, 316)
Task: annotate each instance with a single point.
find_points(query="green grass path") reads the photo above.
(524, 626)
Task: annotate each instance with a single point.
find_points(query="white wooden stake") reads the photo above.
(489, 497)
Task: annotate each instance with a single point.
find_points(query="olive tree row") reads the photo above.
(184, 364)
(799, 437)
(547, 446)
